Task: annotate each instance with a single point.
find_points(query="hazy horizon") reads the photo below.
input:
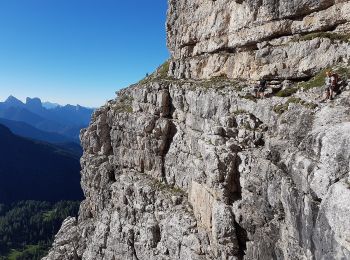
(78, 52)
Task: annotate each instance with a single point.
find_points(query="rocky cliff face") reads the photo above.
(253, 38)
(177, 168)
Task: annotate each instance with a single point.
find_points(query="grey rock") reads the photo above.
(253, 39)
(192, 167)
(184, 188)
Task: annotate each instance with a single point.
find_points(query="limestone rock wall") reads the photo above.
(192, 170)
(181, 167)
(249, 39)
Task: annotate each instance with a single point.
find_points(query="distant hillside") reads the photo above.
(26, 130)
(31, 170)
(63, 120)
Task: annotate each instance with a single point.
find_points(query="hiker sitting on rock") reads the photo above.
(331, 82)
(334, 85)
(260, 88)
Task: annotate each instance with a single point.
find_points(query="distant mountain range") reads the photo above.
(33, 170)
(40, 150)
(52, 122)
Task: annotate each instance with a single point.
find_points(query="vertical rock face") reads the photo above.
(199, 169)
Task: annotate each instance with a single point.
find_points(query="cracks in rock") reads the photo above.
(315, 208)
(131, 243)
(249, 46)
(242, 239)
(241, 233)
(188, 44)
(135, 254)
(223, 50)
(170, 135)
(142, 166)
(233, 189)
(169, 140)
(306, 12)
(327, 28)
(75, 252)
(230, 50)
(256, 9)
(179, 251)
(253, 45)
(299, 79)
(171, 107)
(111, 176)
(298, 16)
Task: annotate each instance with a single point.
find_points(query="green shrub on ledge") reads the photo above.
(286, 92)
(281, 108)
(343, 37)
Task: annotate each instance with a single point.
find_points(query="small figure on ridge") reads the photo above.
(331, 85)
(260, 88)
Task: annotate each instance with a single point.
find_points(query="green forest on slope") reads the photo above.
(27, 228)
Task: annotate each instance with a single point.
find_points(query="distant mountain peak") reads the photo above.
(33, 100)
(14, 101)
(34, 103)
(49, 105)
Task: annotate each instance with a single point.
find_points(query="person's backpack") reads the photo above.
(338, 81)
(262, 85)
(335, 79)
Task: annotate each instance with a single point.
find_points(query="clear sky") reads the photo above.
(78, 51)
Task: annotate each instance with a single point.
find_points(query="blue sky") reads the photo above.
(78, 51)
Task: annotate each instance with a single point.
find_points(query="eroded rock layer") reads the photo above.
(244, 39)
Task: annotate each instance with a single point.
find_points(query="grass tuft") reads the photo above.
(343, 37)
(286, 92)
(316, 82)
(160, 73)
(124, 104)
(281, 108)
(250, 97)
(163, 70)
(160, 186)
